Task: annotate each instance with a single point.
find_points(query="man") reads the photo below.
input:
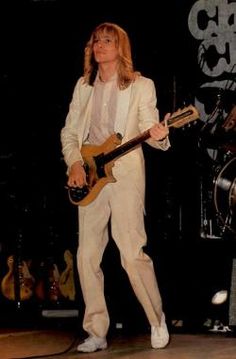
(112, 98)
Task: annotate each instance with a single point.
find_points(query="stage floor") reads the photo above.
(62, 344)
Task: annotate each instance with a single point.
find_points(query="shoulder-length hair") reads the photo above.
(126, 73)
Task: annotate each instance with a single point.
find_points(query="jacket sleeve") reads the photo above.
(149, 114)
(69, 133)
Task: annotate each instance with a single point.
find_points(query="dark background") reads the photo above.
(42, 53)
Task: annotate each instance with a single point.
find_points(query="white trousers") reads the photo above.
(122, 203)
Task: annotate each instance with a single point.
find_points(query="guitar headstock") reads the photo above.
(183, 116)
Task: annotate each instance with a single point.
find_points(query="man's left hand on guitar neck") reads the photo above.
(160, 130)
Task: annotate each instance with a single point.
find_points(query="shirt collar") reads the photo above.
(112, 78)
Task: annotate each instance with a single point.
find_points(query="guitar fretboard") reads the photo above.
(177, 119)
(183, 115)
(126, 147)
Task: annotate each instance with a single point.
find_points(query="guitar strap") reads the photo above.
(123, 101)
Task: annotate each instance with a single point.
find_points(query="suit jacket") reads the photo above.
(136, 112)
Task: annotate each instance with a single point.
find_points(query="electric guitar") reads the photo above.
(99, 160)
(54, 293)
(24, 281)
(66, 281)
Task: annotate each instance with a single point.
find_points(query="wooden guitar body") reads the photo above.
(26, 281)
(66, 282)
(47, 283)
(98, 172)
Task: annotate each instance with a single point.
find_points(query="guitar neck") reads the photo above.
(177, 119)
(126, 147)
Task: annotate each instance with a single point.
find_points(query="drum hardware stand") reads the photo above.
(206, 228)
(225, 196)
(203, 229)
(218, 109)
(226, 223)
(210, 128)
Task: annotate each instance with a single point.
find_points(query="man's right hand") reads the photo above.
(77, 175)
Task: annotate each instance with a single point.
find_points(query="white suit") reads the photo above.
(122, 201)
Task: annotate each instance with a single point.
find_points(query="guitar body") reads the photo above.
(99, 160)
(66, 281)
(54, 293)
(26, 281)
(98, 172)
(47, 282)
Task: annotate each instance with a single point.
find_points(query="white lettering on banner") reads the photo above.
(213, 24)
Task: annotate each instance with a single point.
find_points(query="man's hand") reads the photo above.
(77, 175)
(160, 131)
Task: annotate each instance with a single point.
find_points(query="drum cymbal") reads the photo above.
(225, 194)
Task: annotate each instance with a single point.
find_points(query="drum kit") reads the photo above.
(223, 140)
(225, 194)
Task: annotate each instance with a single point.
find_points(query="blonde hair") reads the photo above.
(126, 73)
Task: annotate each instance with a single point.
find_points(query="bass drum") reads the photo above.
(225, 194)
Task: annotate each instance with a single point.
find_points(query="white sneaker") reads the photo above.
(220, 297)
(159, 335)
(92, 344)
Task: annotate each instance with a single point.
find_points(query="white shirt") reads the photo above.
(104, 108)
